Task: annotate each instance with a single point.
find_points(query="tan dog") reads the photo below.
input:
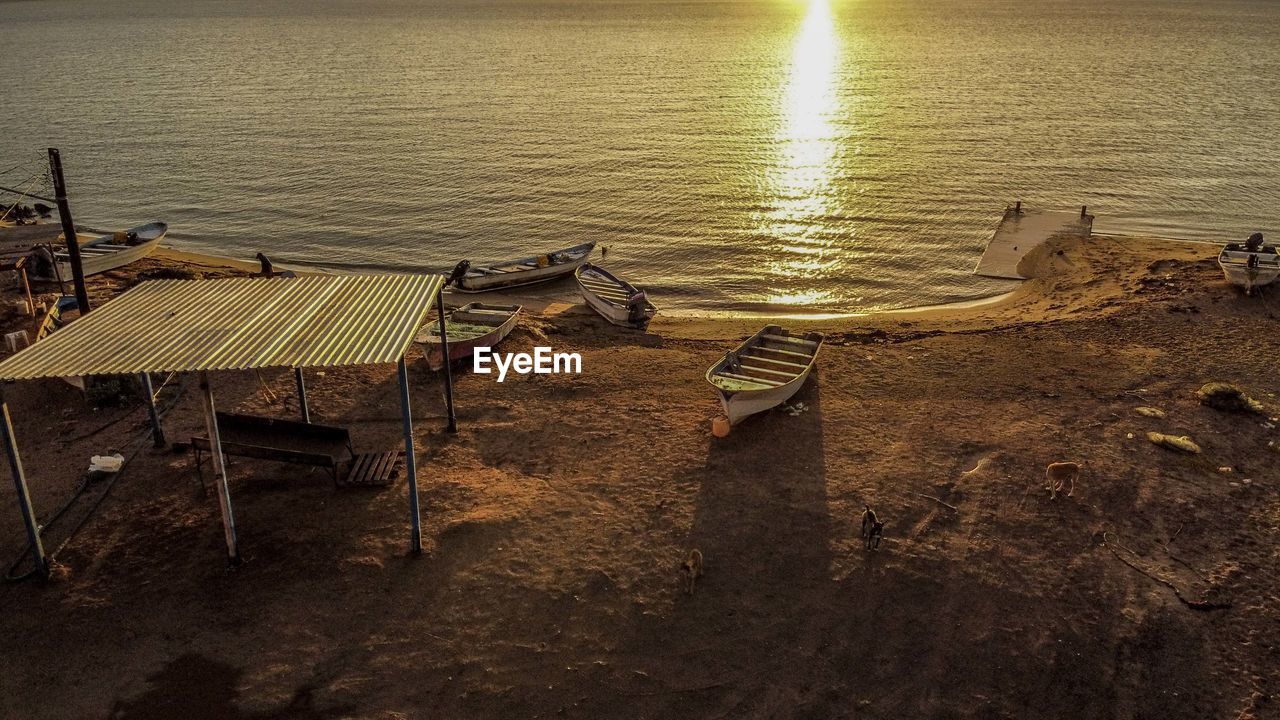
(692, 570)
(1058, 474)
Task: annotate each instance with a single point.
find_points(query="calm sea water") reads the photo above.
(753, 154)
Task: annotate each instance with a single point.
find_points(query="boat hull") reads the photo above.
(1236, 258)
(464, 347)
(102, 253)
(1238, 273)
(525, 271)
(742, 404)
(1250, 278)
(616, 313)
(763, 372)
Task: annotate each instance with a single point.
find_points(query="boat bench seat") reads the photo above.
(780, 351)
(788, 339)
(485, 311)
(763, 369)
(748, 378)
(774, 361)
(608, 294)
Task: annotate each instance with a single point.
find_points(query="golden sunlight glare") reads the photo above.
(802, 182)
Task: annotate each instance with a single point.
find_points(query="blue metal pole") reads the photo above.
(157, 432)
(448, 374)
(410, 463)
(24, 497)
(302, 395)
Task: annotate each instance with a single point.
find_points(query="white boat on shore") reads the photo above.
(617, 300)
(764, 371)
(99, 254)
(1250, 264)
(525, 271)
(471, 326)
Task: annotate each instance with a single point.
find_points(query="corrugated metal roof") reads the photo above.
(237, 324)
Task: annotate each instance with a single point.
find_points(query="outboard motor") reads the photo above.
(459, 271)
(1254, 243)
(635, 308)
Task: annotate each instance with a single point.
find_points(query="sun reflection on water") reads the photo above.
(802, 184)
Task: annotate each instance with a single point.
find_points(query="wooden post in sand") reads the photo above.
(68, 231)
(21, 266)
(219, 469)
(448, 373)
(24, 497)
(157, 432)
(302, 395)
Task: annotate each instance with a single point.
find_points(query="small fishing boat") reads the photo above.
(620, 302)
(471, 326)
(1250, 264)
(99, 254)
(525, 271)
(764, 371)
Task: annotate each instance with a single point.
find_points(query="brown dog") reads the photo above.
(872, 528)
(1058, 474)
(692, 570)
(875, 534)
(868, 519)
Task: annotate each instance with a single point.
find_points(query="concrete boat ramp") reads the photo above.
(1020, 231)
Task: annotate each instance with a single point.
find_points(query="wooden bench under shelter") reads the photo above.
(290, 441)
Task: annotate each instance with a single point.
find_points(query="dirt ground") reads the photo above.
(556, 519)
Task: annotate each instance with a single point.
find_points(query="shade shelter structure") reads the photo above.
(200, 326)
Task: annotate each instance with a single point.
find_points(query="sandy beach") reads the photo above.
(556, 519)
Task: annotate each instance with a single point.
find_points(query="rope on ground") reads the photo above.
(1202, 605)
(267, 392)
(950, 507)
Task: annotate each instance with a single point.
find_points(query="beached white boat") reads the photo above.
(1251, 264)
(620, 302)
(99, 254)
(471, 326)
(525, 271)
(765, 371)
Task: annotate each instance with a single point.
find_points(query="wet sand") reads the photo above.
(556, 519)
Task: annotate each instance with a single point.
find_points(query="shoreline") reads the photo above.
(551, 298)
(541, 299)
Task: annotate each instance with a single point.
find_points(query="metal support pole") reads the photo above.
(448, 373)
(410, 462)
(157, 432)
(302, 395)
(24, 497)
(68, 231)
(219, 469)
